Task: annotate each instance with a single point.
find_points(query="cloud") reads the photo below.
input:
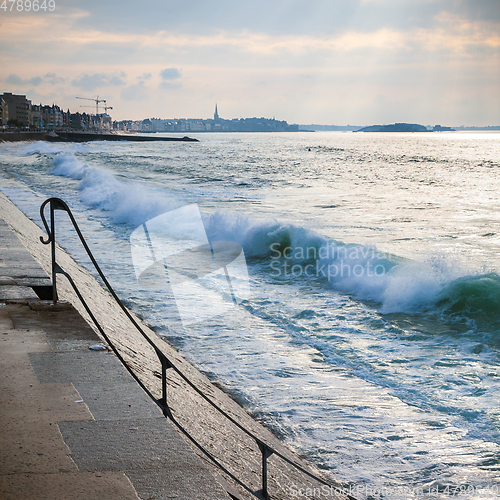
(169, 85)
(170, 74)
(17, 80)
(137, 92)
(433, 57)
(51, 78)
(282, 17)
(54, 79)
(91, 82)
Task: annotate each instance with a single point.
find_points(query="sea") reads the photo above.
(368, 336)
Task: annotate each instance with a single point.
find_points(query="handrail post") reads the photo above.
(266, 453)
(165, 364)
(53, 250)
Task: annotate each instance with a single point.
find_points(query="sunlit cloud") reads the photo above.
(250, 69)
(450, 31)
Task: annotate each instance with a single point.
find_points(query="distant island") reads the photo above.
(404, 127)
(438, 128)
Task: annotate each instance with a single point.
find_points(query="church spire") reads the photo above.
(216, 114)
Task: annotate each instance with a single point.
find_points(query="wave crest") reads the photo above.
(394, 284)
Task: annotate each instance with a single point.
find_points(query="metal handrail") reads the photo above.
(265, 449)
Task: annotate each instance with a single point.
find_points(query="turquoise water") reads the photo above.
(370, 339)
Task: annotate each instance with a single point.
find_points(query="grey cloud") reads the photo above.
(91, 82)
(54, 79)
(144, 76)
(486, 10)
(169, 85)
(170, 74)
(17, 80)
(137, 92)
(115, 80)
(277, 17)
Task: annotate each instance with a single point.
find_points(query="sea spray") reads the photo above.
(292, 252)
(130, 203)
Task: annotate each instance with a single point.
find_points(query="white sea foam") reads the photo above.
(125, 202)
(360, 271)
(55, 148)
(46, 148)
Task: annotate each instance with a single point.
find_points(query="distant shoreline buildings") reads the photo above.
(18, 112)
(217, 124)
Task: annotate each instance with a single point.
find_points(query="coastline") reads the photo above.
(85, 137)
(238, 452)
(22, 136)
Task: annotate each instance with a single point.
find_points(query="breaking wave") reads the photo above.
(393, 284)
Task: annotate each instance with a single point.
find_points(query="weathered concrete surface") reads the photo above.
(16, 262)
(73, 422)
(35, 462)
(67, 486)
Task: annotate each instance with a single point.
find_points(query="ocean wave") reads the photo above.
(56, 148)
(292, 253)
(45, 148)
(125, 202)
(437, 286)
(477, 297)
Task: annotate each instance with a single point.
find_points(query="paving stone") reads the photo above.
(67, 485)
(16, 292)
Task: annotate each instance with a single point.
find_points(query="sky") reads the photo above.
(357, 62)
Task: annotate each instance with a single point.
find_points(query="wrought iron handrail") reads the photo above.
(265, 449)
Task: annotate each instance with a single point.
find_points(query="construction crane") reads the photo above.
(97, 101)
(105, 108)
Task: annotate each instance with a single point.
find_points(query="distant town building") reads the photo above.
(52, 117)
(15, 107)
(105, 122)
(36, 116)
(4, 112)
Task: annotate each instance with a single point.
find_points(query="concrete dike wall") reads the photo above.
(177, 470)
(88, 136)
(22, 136)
